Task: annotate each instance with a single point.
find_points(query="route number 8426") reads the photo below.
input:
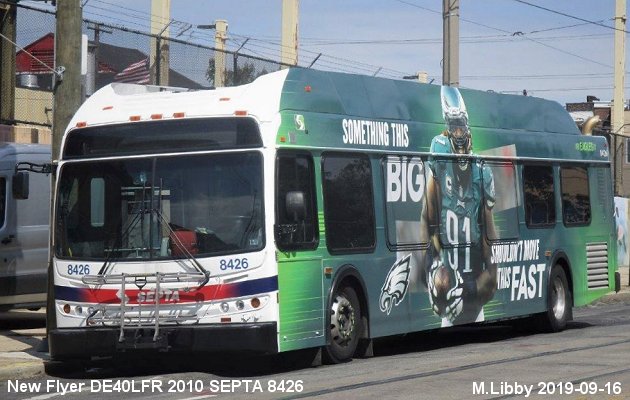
(233, 264)
(78, 269)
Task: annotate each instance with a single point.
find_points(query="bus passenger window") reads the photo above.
(404, 183)
(348, 203)
(576, 202)
(296, 211)
(538, 188)
(502, 202)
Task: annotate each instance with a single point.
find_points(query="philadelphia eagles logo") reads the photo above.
(395, 286)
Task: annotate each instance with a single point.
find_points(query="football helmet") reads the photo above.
(456, 119)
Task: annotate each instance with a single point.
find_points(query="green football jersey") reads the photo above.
(462, 193)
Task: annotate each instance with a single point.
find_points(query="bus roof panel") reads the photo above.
(379, 99)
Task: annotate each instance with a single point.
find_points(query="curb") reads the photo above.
(612, 298)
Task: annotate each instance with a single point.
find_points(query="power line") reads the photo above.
(460, 18)
(562, 89)
(569, 15)
(336, 60)
(569, 53)
(465, 40)
(563, 27)
(541, 76)
(57, 73)
(512, 33)
(271, 53)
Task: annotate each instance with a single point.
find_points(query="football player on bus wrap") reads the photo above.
(460, 192)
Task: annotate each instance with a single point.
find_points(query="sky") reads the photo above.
(505, 46)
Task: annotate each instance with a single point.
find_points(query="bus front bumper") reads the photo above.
(81, 343)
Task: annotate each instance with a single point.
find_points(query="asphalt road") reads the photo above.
(588, 360)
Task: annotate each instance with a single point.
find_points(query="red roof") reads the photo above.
(42, 48)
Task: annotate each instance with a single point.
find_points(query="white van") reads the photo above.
(24, 223)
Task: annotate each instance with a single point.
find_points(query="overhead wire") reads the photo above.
(506, 31)
(254, 45)
(570, 16)
(196, 34)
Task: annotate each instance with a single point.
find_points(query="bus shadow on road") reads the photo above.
(23, 331)
(459, 336)
(17, 320)
(242, 365)
(225, 365)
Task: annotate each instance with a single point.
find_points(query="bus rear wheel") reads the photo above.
(559, 302)
(346, 325)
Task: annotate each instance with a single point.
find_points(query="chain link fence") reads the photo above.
(115, 54)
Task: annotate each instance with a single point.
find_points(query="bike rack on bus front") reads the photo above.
(130, 317)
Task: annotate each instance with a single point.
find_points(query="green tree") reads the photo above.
(245, 73)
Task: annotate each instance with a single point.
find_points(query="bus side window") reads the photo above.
(296, 210)
(348, 203)
(503, 202)
(576, 201)
(538, 189)
(404, 185)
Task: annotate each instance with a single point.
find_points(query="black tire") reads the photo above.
(346, 325)
(559, 302)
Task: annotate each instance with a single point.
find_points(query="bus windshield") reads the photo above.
(160, 207)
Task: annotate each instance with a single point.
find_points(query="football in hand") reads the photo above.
(442, 284)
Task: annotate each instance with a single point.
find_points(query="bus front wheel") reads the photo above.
(559, 301)
(345, 325)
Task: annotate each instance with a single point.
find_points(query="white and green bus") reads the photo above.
(319, 210)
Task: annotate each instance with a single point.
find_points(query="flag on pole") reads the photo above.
(137, 72)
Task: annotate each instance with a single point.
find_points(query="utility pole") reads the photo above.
(450, 45)
(220, 37)
(160, 22)
(67, 91)
(8, 14)
(618, 101)
(289, 49)
(66, 101)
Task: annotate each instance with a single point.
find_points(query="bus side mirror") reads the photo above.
(295, 205)
(20, 185)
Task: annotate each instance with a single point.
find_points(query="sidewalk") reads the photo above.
(22, 333)
(21, 337)
(624, 293)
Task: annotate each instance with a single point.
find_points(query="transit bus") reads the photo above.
(320, 210)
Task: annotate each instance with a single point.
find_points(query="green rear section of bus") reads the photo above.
(551, 200)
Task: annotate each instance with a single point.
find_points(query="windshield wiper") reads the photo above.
(186, 252)
(118, 239)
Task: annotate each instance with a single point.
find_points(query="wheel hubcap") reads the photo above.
(342, 321)
(559, 299)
